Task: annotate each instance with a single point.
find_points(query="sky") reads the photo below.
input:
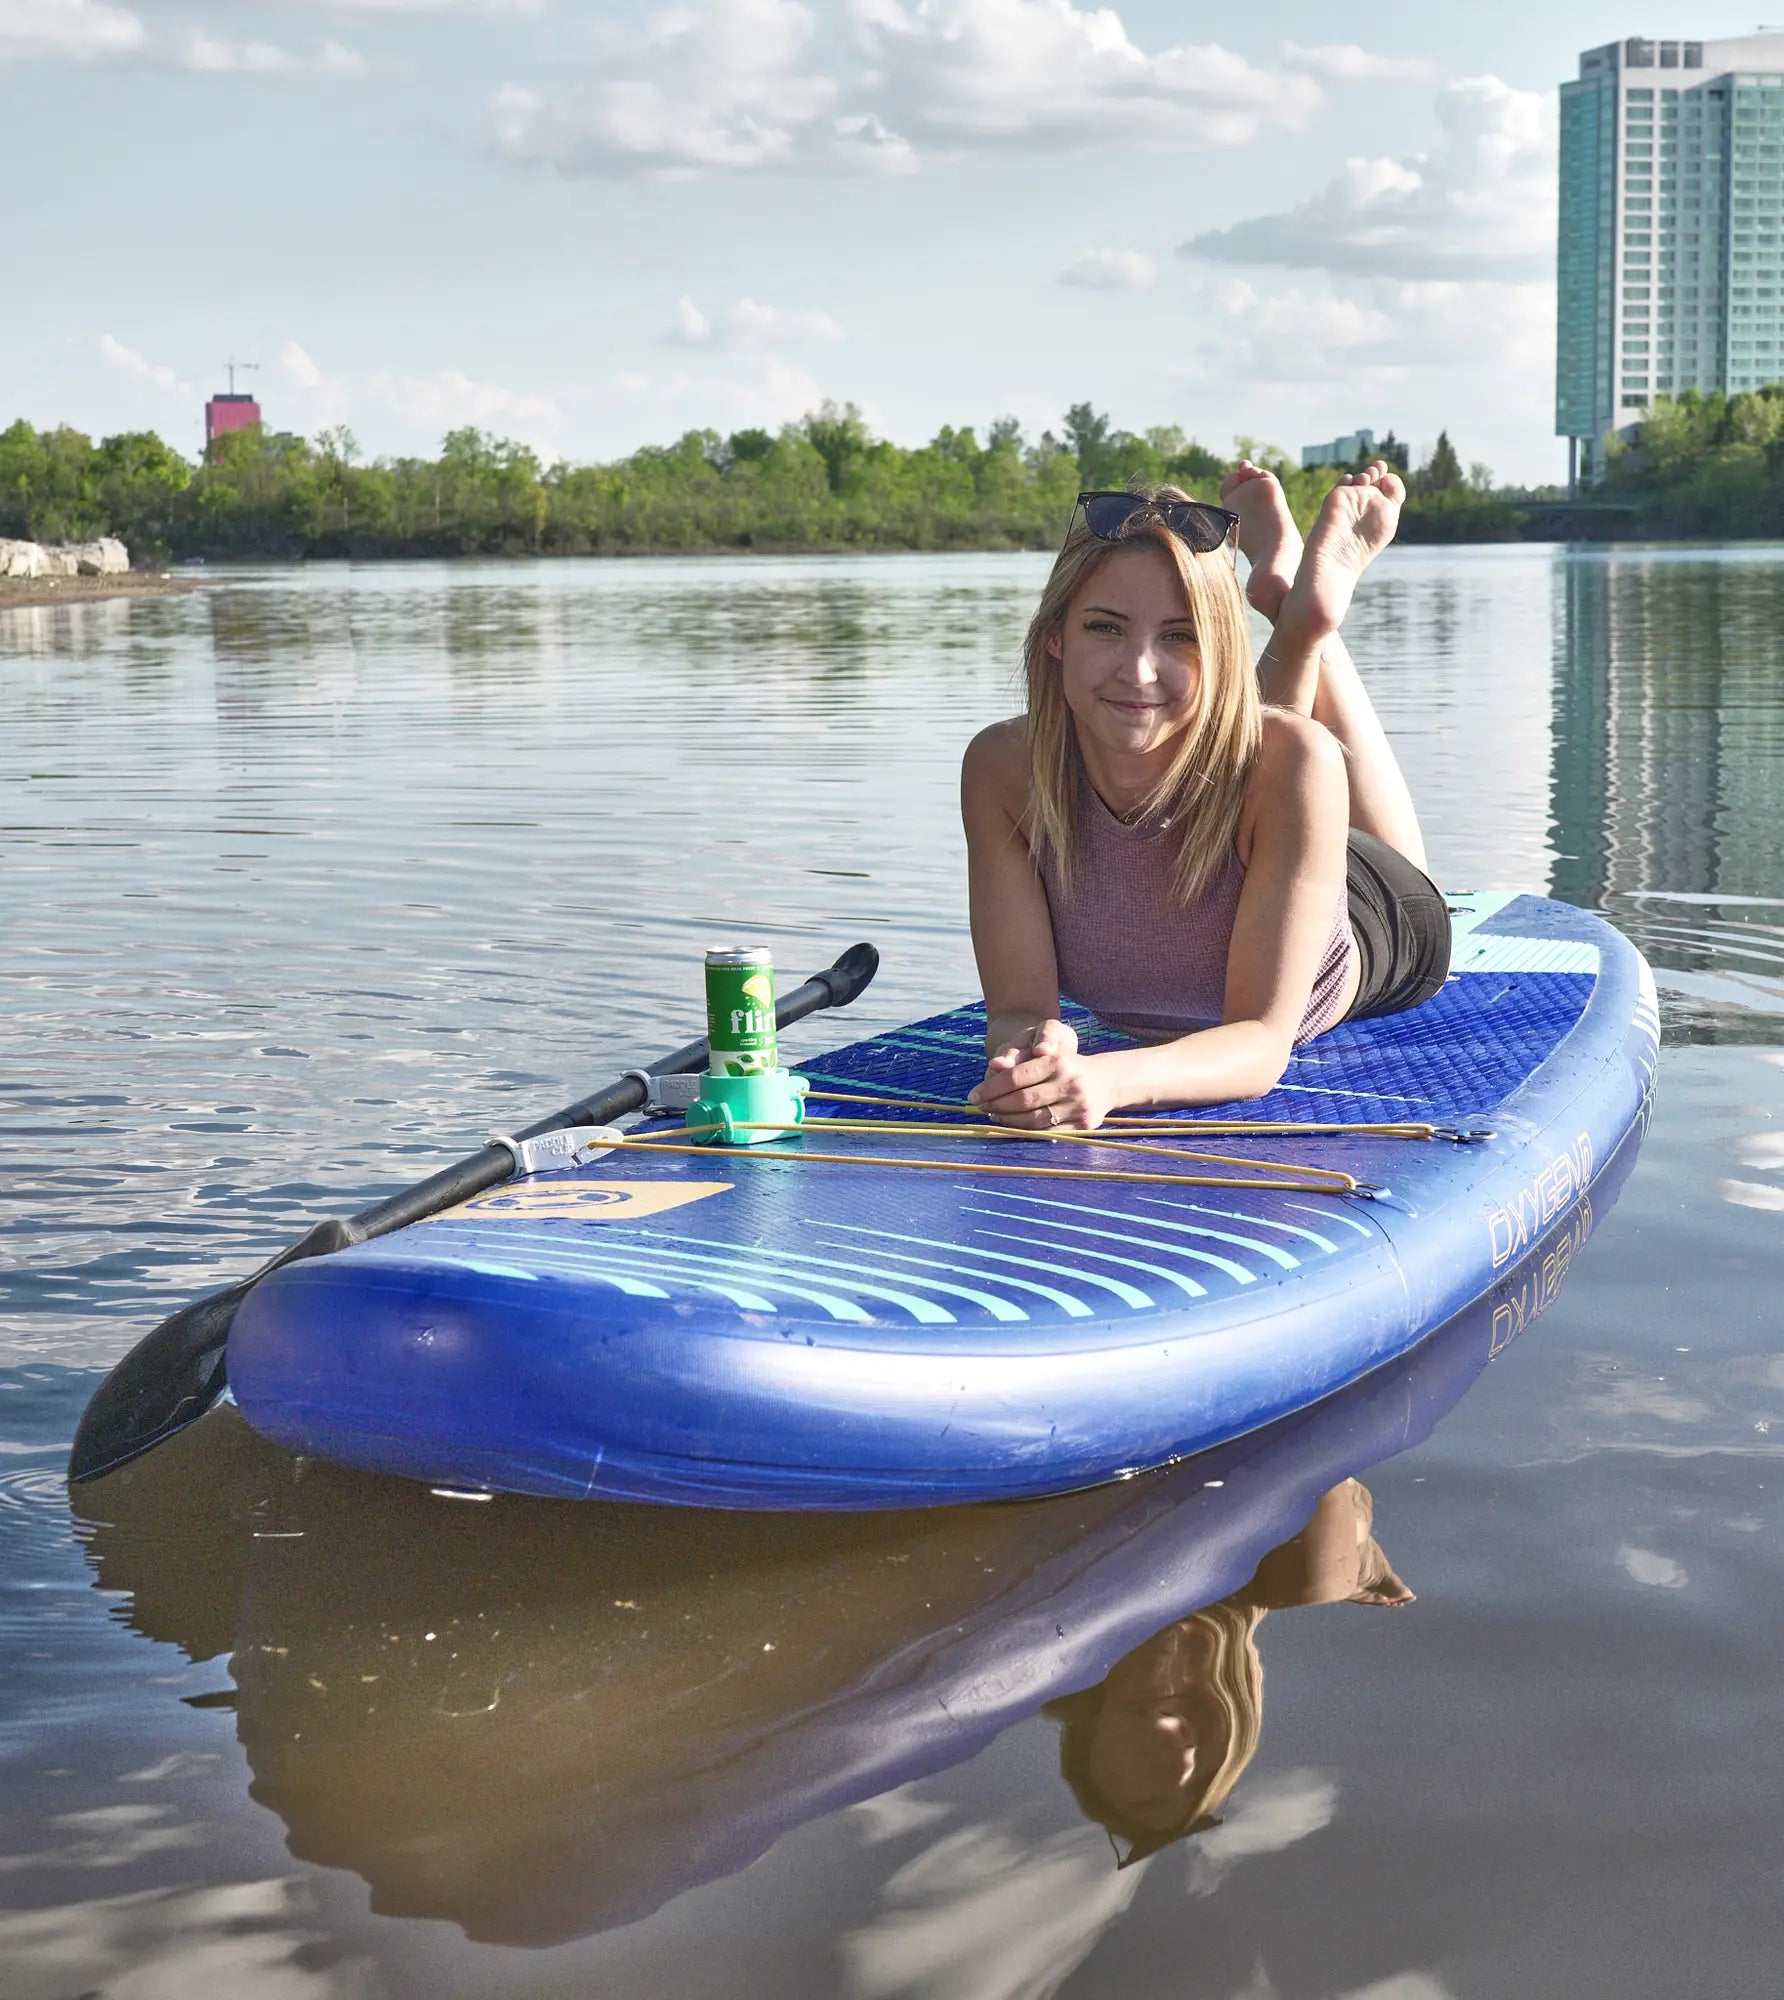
(593, 227)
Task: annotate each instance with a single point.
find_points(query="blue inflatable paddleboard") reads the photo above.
(741, 1328)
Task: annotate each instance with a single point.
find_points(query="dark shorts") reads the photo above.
(1401, 925)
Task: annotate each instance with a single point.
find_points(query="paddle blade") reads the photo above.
(170, 1377)
(174, 1374)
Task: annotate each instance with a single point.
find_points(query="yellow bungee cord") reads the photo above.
(1139, 1136)
(1304, 1180)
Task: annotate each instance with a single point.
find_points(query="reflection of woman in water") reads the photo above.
(1152, 1751)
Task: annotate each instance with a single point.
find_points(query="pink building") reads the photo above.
(228, 413)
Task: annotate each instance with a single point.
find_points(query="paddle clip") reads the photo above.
(552, 1152)
(1466, 1135)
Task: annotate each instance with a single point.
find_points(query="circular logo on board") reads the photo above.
(580, 1200)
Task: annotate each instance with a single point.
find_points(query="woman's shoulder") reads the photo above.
(1292, 747)
(997, 758)
(1299, 768)
(994, 781)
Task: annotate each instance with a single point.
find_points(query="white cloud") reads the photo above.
(1111, 271)
(1344, 62)
(423, 7)
(748, 324)
(1309, 357)
(1751, 1194)
(729, 387)
(78, 28)
(1269, 1817)
(1379, 331)
(449, 400)
(84, 29)
(1048, 75)
(1481, 206)
(135, 367)
(214, 55)
(981, 1916)
(1760, 1149)
(718, 84)
(1401, 1986)
(752, 86)
(307, 399)
(747, 390)
(895, 1814)
(1646, 1566)
(241, 1937)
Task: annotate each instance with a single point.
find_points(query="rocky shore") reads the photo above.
(67, 572)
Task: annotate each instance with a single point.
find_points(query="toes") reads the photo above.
(1243, 474)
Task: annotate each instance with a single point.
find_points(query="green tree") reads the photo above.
(1442, 471)
(1087, 439)
(837, 434)
(140, 484)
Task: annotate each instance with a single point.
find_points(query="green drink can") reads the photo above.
(740, 1013)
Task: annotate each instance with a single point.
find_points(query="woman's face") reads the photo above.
(1146, 1756)
(1130, 668)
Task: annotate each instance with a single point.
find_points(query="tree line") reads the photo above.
(1705, 465)
(824, 483)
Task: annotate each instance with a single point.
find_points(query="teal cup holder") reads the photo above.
(731, 1103)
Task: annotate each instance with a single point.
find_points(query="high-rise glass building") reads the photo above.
(1671, 229)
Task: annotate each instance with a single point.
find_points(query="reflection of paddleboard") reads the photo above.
(757, 1332)
(541, 1722)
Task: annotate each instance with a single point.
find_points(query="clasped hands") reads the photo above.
(1039, 1082)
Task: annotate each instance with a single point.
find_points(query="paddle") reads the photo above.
(174, 1374)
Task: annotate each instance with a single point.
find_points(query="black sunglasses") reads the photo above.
(1203, 527)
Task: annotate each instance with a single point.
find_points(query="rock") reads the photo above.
(105, 557)
(110, 556)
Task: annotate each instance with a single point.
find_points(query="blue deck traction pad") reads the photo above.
(760, 1332)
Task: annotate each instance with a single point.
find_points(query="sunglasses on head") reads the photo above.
(1202, 527)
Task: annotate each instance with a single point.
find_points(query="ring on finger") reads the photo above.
(1052, 1116)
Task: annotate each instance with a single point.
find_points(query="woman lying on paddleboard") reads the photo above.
(1219, 857)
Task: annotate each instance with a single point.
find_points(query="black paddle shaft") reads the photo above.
(836, 986)
(176, 1372)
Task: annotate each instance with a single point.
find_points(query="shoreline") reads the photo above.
(22, 591)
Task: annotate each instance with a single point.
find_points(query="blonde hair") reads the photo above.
(1224, 1637)
(1204, 786)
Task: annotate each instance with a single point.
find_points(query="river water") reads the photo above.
(313, 879)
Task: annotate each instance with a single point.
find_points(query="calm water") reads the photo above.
(313, 880)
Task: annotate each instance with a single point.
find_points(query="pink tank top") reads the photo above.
(1141, 961)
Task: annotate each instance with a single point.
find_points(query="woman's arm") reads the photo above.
(1011, 928)
(1295, 821)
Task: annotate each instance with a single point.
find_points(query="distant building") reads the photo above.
(228, 413)
(1671, 230)
(1341, 451)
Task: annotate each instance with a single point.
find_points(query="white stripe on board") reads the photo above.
(1349, 1221)
(1183, 1284)
(1076, 1308)
(1285, 1259)
(1003, 1309)
(838, 1308)
(1129, 1294)
(769, 1267)
(1251, 1221)
(1220, 1263)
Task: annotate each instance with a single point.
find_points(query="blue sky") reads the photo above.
(595, 227)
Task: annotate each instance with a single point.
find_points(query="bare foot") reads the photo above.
(1356, 522)
(1268, 537)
